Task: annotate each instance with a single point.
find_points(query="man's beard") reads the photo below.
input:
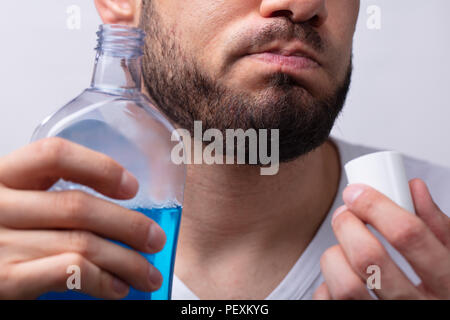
(185, 93)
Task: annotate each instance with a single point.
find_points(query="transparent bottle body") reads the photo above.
(124, 125)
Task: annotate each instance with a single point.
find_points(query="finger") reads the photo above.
(126, 264)
(406, 232)
(31, 279)
(363, 250)
(322, 293)
(39, 165)
(79, 210)
(429, 211)
(342, 282)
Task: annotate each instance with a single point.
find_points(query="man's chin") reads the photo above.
(277, 87)
(279, 98)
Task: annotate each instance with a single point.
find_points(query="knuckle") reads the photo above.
(73, 204)
(410, 233)
(51, 149)
(81, 242)
(369, 201)
(72, 259)
(109, 168)
(373, 255)
(75, 259)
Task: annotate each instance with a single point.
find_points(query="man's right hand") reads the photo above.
(43, 233)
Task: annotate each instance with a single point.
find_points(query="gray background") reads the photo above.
(398, 100)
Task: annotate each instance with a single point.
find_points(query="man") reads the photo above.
(299, 234)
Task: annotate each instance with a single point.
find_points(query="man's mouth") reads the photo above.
(290, 58)
(290, 62)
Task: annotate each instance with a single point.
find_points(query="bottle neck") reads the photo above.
(116, 73)
(118, 59)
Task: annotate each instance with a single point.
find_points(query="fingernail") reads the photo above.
(352, 192)
(338, 212)
(155, 277)
(128, 185)
(156, 237)
(119, 286)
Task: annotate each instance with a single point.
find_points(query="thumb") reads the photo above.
(429, 211)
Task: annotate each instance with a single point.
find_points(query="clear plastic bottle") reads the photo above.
(112, 116)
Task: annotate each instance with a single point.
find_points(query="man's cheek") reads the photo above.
(337, 61)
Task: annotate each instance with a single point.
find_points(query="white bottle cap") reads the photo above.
(385, 172)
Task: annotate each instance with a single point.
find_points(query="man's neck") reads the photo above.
(235, 219)
(229, 209)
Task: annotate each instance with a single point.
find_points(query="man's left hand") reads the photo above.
(423, 240)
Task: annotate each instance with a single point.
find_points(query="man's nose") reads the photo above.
(313, 11)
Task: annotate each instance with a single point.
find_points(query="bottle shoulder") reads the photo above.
(103, 106)
(130, 131)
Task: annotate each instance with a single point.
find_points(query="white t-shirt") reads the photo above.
(305, 276)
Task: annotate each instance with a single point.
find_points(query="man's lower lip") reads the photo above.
(290, 62)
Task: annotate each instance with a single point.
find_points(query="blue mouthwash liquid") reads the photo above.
(169, 219)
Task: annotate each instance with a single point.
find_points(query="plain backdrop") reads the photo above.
(399, 97)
